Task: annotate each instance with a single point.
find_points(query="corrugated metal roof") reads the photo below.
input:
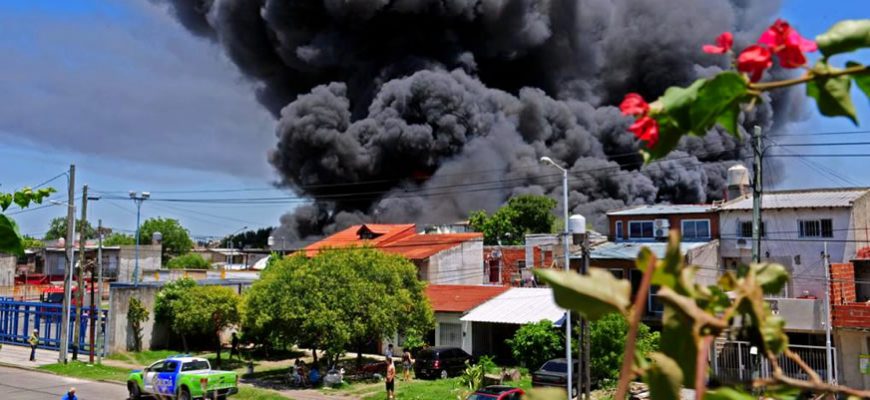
(518, 306)
(799, 199)
(629, 250)
(663, 209)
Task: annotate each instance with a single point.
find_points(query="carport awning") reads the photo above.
(518, 306)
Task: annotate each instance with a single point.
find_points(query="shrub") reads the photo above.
(188, 261)
(607, 337)
(533, 344)
(136, 315)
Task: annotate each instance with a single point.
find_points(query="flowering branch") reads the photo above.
(626, 374)
(812, 74)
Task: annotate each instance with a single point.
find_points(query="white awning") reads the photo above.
(518, 306)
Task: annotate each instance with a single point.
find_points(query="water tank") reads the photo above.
(156, 238)
(577, 224)
(738, 181)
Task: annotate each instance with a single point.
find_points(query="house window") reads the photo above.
(695, 229)
(618, 230)
(450, 334)
(640, 230)
(521, 264)
(654, 305)
(815, 228)
(744, 229)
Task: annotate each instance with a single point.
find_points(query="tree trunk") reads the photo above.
(359, 359)
(218, 335)
(184, 343)
(314, 354)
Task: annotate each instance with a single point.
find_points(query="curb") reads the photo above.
(42, 371)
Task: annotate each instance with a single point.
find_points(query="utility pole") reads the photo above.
(138, 199)
(829, 367)
(585, 340)
(96, 312)
(756, 196)
(67, 277)
(80, 275)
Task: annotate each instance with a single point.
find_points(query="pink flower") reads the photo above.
(634, 104)
(646, 129)
(722, 46)
(787, 44)
(753, 61)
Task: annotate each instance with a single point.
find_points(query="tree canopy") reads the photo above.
(521, 215)
(176, 239)
(188, 261)
(206, 310)
(119, 239)
(338, 300)
(57, 229)
(535, 343)
(11, 240)
(253, 238)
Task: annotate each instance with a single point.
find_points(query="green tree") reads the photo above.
(206, 310)
(176, 239)
(165, 300)
(136, 315)
(31, 243)
(607, 341)
(521, 215)
(188, 261)
(533, 344)
(253, 238)
(11, 241)
(119, 239)
(338, 300)
(57, 229)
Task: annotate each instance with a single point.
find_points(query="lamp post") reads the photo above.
(138, 199)
(566, 237)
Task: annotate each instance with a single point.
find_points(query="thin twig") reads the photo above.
(701, 367)
(858, 69)
(800, 362)
(627, 374)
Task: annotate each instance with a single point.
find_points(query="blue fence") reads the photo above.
(18, 319)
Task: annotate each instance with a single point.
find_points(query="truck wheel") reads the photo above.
(133, 389)
(184, 394)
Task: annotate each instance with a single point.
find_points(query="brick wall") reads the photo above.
(855, 315)
(842, 283)
(511, 255)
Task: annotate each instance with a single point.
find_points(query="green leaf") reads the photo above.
(11, 241)
(593, 296)
(845, 36)
(21, 198)
(715, 97)
(771, 277)
(773, 333)
(677, 102)
(862, 80)
(832, 94)
(677, 342)
(664, 377)
(5, 200)
(728, 119)
(727, 393)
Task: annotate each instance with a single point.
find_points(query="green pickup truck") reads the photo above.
(182, 378)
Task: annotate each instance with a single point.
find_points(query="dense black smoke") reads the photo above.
(424, 110)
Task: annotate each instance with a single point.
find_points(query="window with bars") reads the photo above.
(450, 334)
(744, 229)
(815, 228)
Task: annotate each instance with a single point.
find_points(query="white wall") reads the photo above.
(7, 269)
(459, 265)
(149, 261)
(850, 345)
(784, 244)
(453, 318)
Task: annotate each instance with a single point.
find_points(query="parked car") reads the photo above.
(182, 378)
(554, 373)
(497, 392)
(440, 362)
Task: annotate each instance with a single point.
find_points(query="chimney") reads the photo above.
(738, 182)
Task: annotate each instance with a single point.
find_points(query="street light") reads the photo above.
(566, 236)
(138, 199)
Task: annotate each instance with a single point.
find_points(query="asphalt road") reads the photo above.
(19, 384)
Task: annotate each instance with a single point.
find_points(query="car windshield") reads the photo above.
(195, 365)
(480, 396)
(555, 366)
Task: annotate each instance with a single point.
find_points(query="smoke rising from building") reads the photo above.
(425, 110)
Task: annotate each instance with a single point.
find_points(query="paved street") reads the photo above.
(19, 384)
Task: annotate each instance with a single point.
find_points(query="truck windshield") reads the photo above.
(54, 298)
(195, 365)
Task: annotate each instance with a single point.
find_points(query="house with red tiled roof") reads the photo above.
(441, 258)
(452, 302)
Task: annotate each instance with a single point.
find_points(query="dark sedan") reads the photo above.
(554, 373)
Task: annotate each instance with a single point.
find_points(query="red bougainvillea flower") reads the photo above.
(787, 44)
(722, 46)
(646, 129)
(753, 61)
(634, 104)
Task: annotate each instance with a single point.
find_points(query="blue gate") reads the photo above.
(18, 319)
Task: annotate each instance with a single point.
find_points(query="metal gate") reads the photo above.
(732, 361)
(18, 319)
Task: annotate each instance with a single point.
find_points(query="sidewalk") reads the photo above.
(19, 356)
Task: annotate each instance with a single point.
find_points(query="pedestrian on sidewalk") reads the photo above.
(34, 341)
(391, 379)
(70, 395)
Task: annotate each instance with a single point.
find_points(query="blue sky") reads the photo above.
(137, 103)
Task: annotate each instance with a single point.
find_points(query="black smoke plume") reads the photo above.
(424, 110)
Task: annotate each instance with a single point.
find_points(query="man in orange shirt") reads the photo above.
(391, 379)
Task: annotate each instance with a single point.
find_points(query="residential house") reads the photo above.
(452, 302)
(850, 317)
(441, 258)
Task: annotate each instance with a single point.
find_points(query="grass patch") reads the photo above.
(249, 393)
(143, 358)
(93, 372)
(438, 389)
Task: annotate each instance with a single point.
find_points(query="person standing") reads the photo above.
(33, 340)
(234, 347)
(389, 352)
(391, 379)
(70, 395)
(407, 362)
